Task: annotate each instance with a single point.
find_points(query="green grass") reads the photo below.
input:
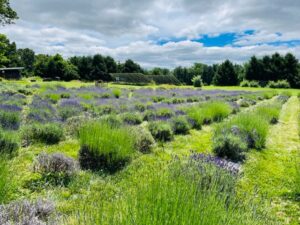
(178, 195)
(4, 180)
(135, 187)
(272, 172)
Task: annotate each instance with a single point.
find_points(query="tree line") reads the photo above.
(98, 67)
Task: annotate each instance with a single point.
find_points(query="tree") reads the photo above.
(291, 73)
(84, 65)
(99, 71)
(255, 69)
(131, 67)
(111, 64)
(27, 58)
(55, 66)
(207, 74)
(159, 71)
(184, 75)
(8, 53)
(4, 42)
(7, 14)
(277, 67)
(41, 65)
(226, 75)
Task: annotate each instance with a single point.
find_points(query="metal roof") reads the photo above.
(12, 68)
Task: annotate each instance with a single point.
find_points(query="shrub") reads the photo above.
(270, 112)
(161, 131)
(149, 115)
(112, 120)
(116, 93)
(183, 193)
(140, 107)
(208, 112)
(104, 147)
(180, 125)
(50, 133)
(246, 102)
(10, 120)
(9, 142)
(55, 168)
(73, 124)
(251, 128)
(247, 83)
(132, 118)
(165, 113)
(69, 108)
(278, 84)
(197, 81)
(103, 110)
(25, 212)
(229, 146)
(269, 94)
(144, 141)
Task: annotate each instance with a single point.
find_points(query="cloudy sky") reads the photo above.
(162, 33)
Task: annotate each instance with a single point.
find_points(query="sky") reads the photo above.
(163, 33)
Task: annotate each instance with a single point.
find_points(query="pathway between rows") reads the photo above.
(272, 172)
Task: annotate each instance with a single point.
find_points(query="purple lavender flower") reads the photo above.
(233, 168)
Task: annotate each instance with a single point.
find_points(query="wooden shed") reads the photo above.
(11, 73)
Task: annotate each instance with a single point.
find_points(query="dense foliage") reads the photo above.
(7, 14)
(277, 70)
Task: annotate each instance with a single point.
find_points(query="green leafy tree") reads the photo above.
(84, 65)
(8, 53)
(27, 58)
(291, 73)
(41, 65)
(255, 69)
(99, 71)
(7, 14)
(131, 67)
(184, 75)
(207, 74)
(226, 75)
(111, 64)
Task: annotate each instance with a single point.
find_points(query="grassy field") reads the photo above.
(149, 154)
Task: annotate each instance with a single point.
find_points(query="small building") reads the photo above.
(11, 73)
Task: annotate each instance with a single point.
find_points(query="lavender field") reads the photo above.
(111, 155)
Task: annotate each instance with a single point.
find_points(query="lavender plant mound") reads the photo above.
(55, 163)
(27, 213)
(233, 168)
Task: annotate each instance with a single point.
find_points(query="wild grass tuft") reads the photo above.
(209, 112)
(104, 146)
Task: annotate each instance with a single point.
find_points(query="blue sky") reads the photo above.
(164, 33)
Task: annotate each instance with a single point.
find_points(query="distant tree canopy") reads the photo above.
(8, 53)
(98, 67)
(7, 14)
(226, 75)
(274, 68)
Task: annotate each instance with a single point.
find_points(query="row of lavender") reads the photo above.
(59, 104)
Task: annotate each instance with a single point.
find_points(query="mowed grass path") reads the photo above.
(271, 173)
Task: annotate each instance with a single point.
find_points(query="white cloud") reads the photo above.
(129, 29)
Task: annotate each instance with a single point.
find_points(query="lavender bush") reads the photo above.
(27, 213)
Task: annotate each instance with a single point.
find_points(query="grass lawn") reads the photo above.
(271, 172)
